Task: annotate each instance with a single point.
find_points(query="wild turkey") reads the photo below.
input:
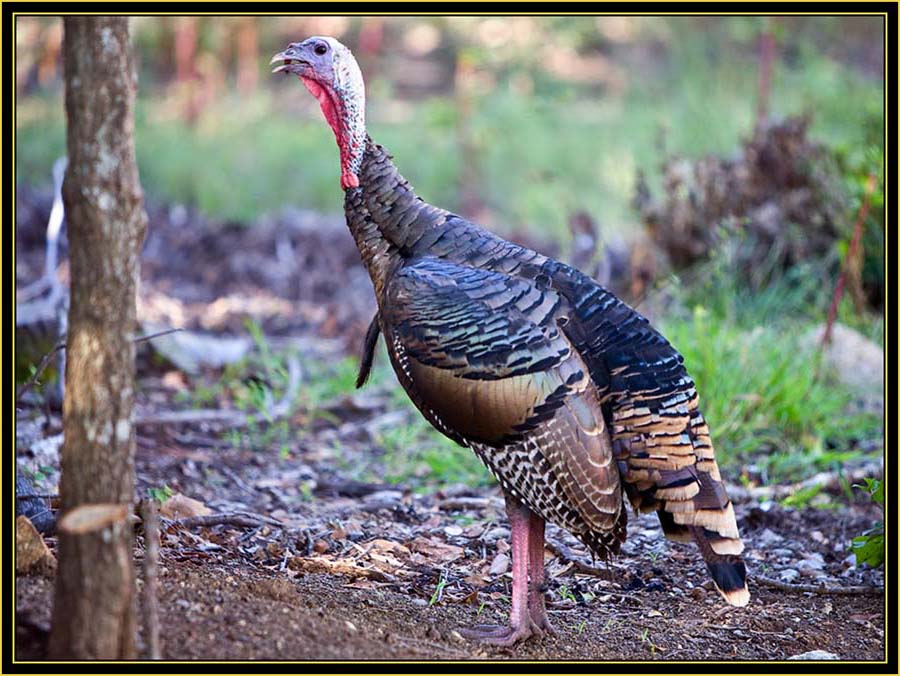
(569, 397)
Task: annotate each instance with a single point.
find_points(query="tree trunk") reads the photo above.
(93, 614)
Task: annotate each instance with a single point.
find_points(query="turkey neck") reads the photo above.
(389, 222)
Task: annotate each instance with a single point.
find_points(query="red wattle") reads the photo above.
(329, 103)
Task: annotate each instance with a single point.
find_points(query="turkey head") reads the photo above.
(330, 73)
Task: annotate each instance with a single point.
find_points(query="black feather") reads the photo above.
(368, 352)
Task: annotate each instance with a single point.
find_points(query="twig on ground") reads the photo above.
(827, 480)
(231, 418)
(239, 519)
(236, 480)
(835, 590)
(61, 345)
(350, 488)
(466, 503)
(150, 599)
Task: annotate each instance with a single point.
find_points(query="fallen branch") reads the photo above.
(61, 345)
(150, 599)
(234, 419)
(829, 481)
(822, 588)
(349, 488)
(239, 519)
(466, 503)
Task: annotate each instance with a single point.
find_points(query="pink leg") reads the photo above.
(524, 525)
(536, 606)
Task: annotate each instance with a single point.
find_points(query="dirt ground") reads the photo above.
(300, 559)
(223, 608)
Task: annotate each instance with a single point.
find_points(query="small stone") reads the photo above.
(781, 553)
(500, 564)
(767, 538)
(453, 530)
(811, 564)
(494, 534)
(456, 636)
(788, 575)
(385, 496)
(655, 584)
(815, 655)
(350, 626)
(320, 546)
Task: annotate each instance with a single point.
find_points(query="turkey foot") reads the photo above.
(528, 616)
(496, 634)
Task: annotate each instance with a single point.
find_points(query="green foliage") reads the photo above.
(858, 164)
(566, 594)
(416, 453)
(40, 474)
(439, 589)
(160, 494)
(761, 397)
(869, 547)
(802, 497)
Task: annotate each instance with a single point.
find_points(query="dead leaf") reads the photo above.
(90, 518)
(31, 551)
(181, 506)
(379, 545)
(321, 564)
(435, 549)
(477, 580)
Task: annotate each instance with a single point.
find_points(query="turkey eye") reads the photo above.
(320, 49)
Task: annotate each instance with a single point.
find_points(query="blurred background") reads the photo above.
(714, 171)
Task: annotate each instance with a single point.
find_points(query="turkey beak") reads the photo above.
(291, 62)
(284, 60)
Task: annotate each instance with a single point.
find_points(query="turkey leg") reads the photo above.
(528, 615)
(536, 607)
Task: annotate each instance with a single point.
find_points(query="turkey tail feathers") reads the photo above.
(727, 570)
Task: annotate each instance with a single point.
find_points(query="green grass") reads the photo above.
(761, 396)
(417, 455)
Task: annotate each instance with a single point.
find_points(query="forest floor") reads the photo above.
(301, 539)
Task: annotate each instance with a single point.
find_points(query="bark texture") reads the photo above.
(94, 614)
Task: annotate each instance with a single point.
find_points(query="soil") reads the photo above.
(232, 612)
(323, 565)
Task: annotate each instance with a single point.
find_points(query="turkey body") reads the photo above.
(569, 397)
